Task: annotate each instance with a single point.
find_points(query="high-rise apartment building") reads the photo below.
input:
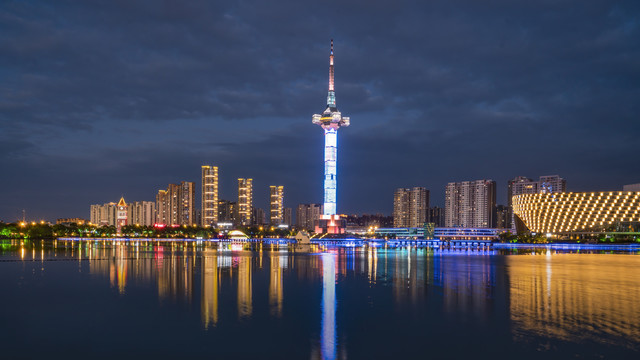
(245, 201)
(401, 208)
(209, 213)
(307, 215)
(258, 217)
(288, 216)
(163, 209)
(142, 213)
(227, 212)
(470, 204)
(410, 207)
(176, 205)
(103, 215)
(551, 184)
(276, 213)
(502, 216)
(187, 203)
(173, 192)
(419, 203)
(436, 215)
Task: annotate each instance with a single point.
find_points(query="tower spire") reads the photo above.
(331, 97)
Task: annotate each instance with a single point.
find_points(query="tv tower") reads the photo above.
(330, 120)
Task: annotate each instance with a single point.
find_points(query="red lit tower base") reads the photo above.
(331, 224)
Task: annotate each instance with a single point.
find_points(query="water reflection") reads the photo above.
(328, 340)
(533, 298)
(210, 286)
(586, 298)
(278, 262)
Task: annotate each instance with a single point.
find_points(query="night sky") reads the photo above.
(100, 99)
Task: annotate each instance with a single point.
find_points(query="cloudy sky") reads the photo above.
(100, 99)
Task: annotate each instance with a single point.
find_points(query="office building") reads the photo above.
(470, 204)
(307, 215)
(583, 212)
(410, 207)
(209, 205)
(276, 213)
(142, 213)
(245, 201)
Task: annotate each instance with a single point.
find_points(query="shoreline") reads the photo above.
(378, 242)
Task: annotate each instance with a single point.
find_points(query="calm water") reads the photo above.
(100, 300)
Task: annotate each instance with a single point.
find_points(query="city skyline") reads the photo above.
(187, 85)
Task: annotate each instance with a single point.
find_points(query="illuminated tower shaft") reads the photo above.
(330, 173)
(331, 120)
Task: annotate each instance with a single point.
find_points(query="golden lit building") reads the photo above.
(277, 201)
(245, 201)
(209, 195)
(577, 212)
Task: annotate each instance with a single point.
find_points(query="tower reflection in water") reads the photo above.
(558, 297)
(328, 339)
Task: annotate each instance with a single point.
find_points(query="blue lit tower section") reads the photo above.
(330, 120)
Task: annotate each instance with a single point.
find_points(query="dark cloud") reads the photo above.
(104, 98)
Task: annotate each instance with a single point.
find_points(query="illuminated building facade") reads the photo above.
(276, 213)
(470, 204)
(577, 212)
(209, 203)
(523, 185)
(245, 201)
(410, 207)
(330, 120)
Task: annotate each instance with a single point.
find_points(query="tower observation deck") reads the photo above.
(330, 120)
